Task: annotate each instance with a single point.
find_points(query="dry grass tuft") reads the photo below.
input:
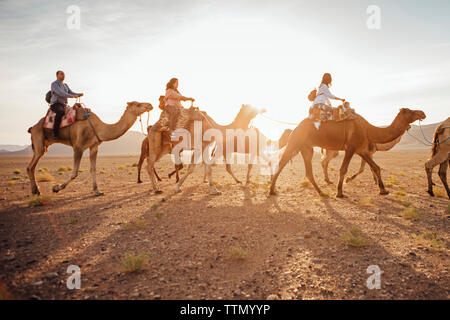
(134, 263)
(439, 192)
(38, 201)
(430, 239)
(45, 177)
(365, 202)
(447, 210)
(355, 238)
(411, 214)
(237, 253)
(17, 171)
(306, 184)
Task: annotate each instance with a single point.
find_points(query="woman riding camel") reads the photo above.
(173, 100)
(321, 100)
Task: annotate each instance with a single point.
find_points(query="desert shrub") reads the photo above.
(237, 253)
(431, 239)
(305, 184)
(411, 214)
(365, 202)
(62, 169)
(42, 170)
(45, 177)
(439, 192)
(355, 238)
(159, 215)
(11, 183)
(15, 178)
(17, 171)
(134, 262)
(38, 201)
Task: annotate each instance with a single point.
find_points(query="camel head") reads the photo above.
(138, 108)
(410, 116)
(250, 112)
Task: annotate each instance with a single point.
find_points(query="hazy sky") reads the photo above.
(268, 54)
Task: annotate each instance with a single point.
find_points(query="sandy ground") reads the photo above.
(239, 245)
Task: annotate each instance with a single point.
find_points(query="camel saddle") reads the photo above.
(75, 113)
(327, 113)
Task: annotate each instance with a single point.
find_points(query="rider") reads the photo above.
(322, 99)
(173, 100)
(60, 93)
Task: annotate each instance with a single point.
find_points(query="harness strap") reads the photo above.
(93, 129)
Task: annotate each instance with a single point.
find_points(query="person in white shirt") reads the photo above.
(322, 98)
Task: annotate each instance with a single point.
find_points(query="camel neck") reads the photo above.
(108, 132)
(385, 135)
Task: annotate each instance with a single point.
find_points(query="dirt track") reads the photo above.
(290, 245)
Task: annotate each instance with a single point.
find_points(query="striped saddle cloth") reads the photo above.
(67, 120)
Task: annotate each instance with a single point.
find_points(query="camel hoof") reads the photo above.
(430, 192)
(99, 194)
(340, 195)
(35, 191)
(273, 193)
(384, 192)
(348, 180)
(329, 182)
(139, 181)
(213, 191)
(177, 189)
(158, 192)
(55, 189)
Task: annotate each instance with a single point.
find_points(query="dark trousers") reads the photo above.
(59, 109)
(174, 112)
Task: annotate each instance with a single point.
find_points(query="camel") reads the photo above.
(440, 154)
(331, 154)
(281, 143)
(160, 144)
(81, 135)
(351, 135)
(245, 115)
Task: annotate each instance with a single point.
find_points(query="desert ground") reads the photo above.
(242, 244)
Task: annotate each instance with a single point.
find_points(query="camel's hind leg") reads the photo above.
(93, 157)
(361, 170)
(330, 155)
(151, 160)
(438, 158)
(376, 170)
(228, 168)
(307, 154)
(38, 152)
(212, 188)
(141, 161)
(77, 154)
(189, 171)
(443, 175)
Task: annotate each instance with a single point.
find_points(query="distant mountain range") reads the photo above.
(130, 144)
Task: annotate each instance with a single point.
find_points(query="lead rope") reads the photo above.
(430, 143)
(279, 121)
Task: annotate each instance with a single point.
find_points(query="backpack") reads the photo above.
(48, 97)
(312, 95)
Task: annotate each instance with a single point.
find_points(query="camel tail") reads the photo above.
(437, 132)
(29, 129)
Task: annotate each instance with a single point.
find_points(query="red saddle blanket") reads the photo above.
(68, 118)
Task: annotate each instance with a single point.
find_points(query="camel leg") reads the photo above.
(250, 166)
(438, 158)
(93, 157)
(228, 168)
(443, 175)
(151, 172)
(377, 171)
(156, 175)
(204, 173)
(38, 152)
(330, 155)
(77, 154)
(287, 155)
(139, 167)
(190, 170)
(342, 172)
(361, 170)
(212, 188)
(307, 154)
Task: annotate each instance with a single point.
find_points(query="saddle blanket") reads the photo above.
(68, 118)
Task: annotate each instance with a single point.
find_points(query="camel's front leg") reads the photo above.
(344, 167)
(93, 157)
(330, 155)
(77, 154)
(443, 175)
(151, 172)
(376, 169)
(361, 170)
(38, 153)
(228, 168)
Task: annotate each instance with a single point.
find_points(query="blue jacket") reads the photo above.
(60, 92)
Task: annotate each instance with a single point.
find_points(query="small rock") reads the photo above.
(51, 275)
(237, 292)
(272, 297)
(38, 283)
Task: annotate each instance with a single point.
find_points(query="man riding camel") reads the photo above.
(58, 101)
